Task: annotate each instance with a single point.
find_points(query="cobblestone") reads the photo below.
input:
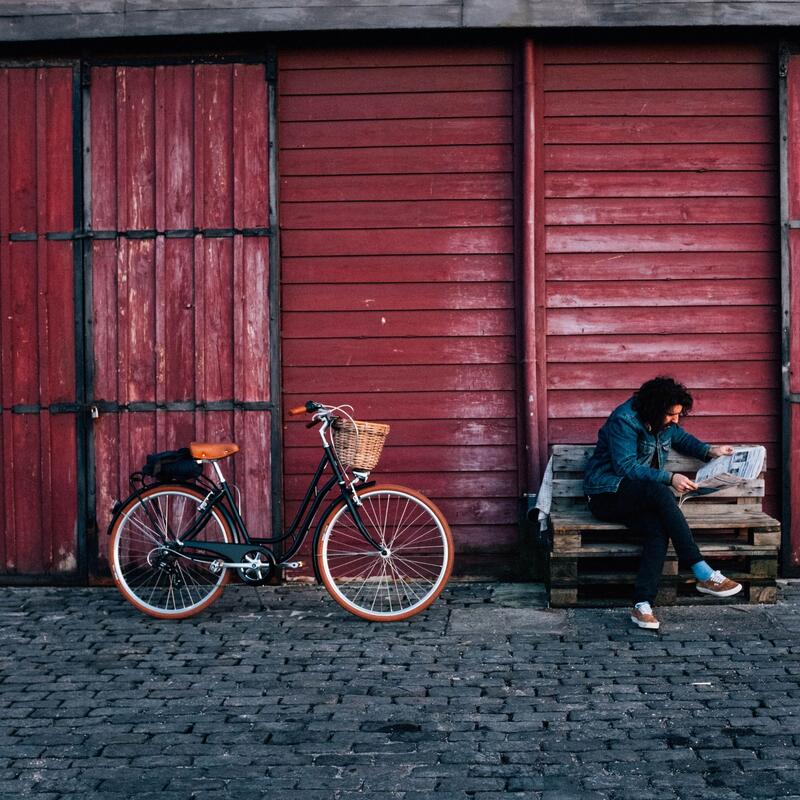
(487, 695)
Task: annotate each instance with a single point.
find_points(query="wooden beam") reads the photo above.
(77, 19)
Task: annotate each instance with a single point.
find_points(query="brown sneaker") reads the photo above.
(719, 586)
(644, 620)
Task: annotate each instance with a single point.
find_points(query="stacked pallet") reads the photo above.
(594, 563)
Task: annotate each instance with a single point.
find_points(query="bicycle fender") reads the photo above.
(318, 530)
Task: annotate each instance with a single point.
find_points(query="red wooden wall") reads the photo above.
(38, 499)
(661, 239)
(181, 316)
(397, 271)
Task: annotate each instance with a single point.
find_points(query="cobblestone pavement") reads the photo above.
(487, 695)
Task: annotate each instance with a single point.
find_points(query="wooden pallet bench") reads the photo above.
(594, 563)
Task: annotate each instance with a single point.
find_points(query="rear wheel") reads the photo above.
(146, 566)
(411, 571)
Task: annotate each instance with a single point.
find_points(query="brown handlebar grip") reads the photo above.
(298, 410)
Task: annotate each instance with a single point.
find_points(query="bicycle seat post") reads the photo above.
(221, 477)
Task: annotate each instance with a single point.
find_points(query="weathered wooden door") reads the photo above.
(180, 271)
(38, 387)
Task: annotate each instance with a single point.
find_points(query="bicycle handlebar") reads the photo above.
(309, 408)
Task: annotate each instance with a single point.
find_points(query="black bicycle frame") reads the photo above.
(222, 497)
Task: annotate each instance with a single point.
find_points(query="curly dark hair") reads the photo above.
(658, 395)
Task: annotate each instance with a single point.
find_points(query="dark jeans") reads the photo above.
(649, 509)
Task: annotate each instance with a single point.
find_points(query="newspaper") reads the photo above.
(743, 465)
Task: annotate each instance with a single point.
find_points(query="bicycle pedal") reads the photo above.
(291, 564)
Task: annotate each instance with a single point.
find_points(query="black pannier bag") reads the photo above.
(172, 465)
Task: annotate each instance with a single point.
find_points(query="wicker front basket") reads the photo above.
(361, 449)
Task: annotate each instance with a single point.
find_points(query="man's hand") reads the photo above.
(720, 450)
(681, 483)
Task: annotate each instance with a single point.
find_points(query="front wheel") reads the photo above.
(411, 571)
(147, 566)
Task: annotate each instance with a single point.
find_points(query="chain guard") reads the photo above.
(262, 569)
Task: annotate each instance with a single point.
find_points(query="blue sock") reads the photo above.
(702, 571)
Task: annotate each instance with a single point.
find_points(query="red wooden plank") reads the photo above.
(707, 402)
(392, 160)
(794, 311)
(109, 483)
(711, 319)
(564, 294)
(392, 324)
(727, 347)
(141, 373)
(410, 214)
(653, 266)
(675, 183)
(420, 350)
(57, 205)
(762, 430)
(794, 482)
(647, 238)
(700, 103)
(214, 279)
(652, 130)
(652, 51)
(24, 329)
(661, 211)
(386, 133)
(422, 459)
(405, 55)
(137, 180)
(639, 157)
(214, 150)
(9, 518)
(430, 105)
(175, 134)
(397, 297)
(438, 186)
(458, 485)
(399, 378)
(5, 128)
(177, 347)
(6, 516)
(658, 76)
(22, 150)
(103, 122)
(104, 314)
(399, 268)
(420, 405)
(793, 136)
(119, 149)
(250, 147)
(338, 81)
(398, 241)
(58, 385)
(410, 433)
(251, 329)
(695, 375)
(29, 549)
(252, 469)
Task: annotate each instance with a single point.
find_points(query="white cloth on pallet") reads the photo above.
(544, 499)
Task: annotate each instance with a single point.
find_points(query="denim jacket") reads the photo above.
(625, 449)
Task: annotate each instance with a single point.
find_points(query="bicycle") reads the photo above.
(384, 553)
